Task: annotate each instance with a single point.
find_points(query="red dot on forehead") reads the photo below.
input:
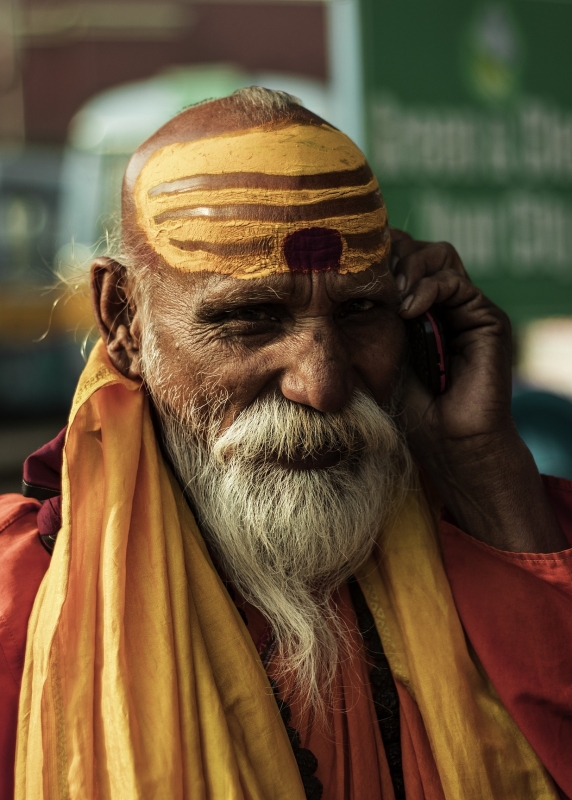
(313, 250)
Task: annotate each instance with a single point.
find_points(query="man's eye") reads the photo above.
(250, 315)
(356, 307)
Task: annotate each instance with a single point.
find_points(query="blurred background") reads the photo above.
(464, 110)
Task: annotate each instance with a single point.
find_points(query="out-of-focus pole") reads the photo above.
(346, 68)
(11, 100)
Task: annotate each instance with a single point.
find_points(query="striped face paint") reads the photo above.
(263, 201)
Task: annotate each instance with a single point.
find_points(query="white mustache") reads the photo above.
(287, 539)
(277, 429)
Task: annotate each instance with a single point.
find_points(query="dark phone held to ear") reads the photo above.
(427, 351)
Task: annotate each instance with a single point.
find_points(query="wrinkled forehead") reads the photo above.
(263, 201)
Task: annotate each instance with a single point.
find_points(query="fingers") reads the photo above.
(402, 244)
(430, 273)
(434, 275)
(426, 259)
(463, 306)
(443, 287)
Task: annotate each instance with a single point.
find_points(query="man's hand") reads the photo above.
(466, 438)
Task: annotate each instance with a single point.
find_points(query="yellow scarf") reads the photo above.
(142, 683)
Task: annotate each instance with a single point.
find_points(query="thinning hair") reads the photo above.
(257, 104)
(264, 105)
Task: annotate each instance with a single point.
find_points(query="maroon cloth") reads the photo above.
(43, 468)
(49, 519)
(42, 480)
(515, 607)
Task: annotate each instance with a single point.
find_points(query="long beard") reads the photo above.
(289, 538)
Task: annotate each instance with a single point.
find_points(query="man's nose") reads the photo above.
(319, 372)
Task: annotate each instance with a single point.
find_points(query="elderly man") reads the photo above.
(325, 628)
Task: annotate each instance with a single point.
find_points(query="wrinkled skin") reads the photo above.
(313, 337)
(316, 337)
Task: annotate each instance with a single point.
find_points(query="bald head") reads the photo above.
(246, 108)
(253, 185)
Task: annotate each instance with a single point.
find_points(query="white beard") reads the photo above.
(288, 538)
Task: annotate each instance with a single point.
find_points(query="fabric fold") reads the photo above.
(141, 681)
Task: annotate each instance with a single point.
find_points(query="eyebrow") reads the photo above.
(233, 296)
(372, 285)
(239, 295)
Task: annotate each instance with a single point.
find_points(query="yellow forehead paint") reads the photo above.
(263, 201)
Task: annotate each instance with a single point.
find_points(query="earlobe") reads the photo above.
(116, 315)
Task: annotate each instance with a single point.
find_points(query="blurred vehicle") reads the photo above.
(36, 372)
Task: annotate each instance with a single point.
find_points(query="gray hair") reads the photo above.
(258, 104)
(264, 104)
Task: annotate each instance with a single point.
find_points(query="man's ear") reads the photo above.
(116, 316)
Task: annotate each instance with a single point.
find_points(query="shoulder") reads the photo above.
(23, 563)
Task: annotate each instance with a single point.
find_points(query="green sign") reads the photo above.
(469, 130)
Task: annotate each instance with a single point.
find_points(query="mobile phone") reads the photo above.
(427, 351)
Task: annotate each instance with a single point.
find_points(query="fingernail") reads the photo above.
(400, 282)
(406, 305)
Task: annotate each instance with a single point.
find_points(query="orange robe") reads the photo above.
(516, 610)
(352, 764)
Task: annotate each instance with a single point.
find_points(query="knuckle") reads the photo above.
(437, 255)
(497, 318)
(449, 255)
(503, 321)
(451, 252)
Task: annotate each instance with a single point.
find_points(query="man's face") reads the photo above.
(299, 463)
(313, 337)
